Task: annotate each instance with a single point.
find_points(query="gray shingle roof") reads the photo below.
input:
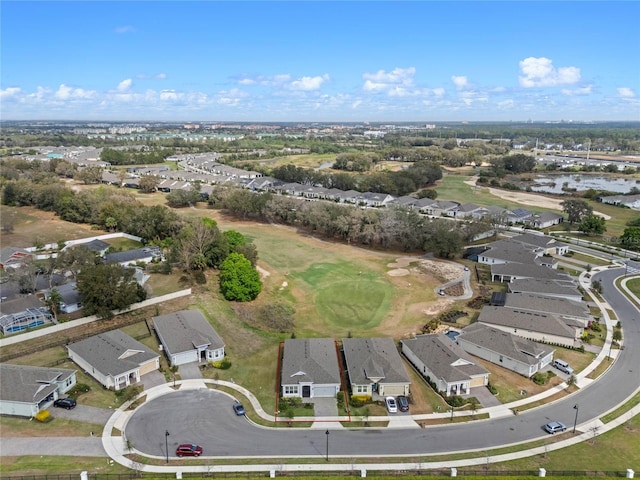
(131, 255)
(444, 358)
(542, 286)
(185, 330)
(521, 319)
(509, 251)
(528, 271)
(504, 343)
(22, 383)
(113, 353)
(373, 360)
(542, 303)
(310, 360)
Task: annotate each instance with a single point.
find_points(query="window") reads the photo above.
(291, 389)
(361, 389)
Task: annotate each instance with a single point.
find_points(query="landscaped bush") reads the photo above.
(223, 364)
(595, 326)
(478, 302)
(358, 401)
(43, 416)
(492, 389)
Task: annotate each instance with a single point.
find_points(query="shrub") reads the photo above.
(358, 401)
(595, 326)
(492, 389)
(539, 378)
(223, 364)
(43, 416)
(455, 400)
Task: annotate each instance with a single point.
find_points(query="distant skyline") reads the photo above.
(307, 61)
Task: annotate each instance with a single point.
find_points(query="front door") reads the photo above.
(306, 391)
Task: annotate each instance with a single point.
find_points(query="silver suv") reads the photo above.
(554, 427)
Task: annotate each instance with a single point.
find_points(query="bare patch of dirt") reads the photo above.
(263, 273)
(398, 272)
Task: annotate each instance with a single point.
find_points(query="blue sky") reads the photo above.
(320, 61)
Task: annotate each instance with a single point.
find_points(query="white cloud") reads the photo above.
(125, 29)
(540, 72)
(169, 95)
(626, 92)
(309, 83)
(125, 85)
(460, 81)
(586, 90)
(66, 92)
(160, 76)
(279, 80)
(388, 81)
(10, 92)
(356, 104)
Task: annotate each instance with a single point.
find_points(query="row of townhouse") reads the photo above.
(541, 303)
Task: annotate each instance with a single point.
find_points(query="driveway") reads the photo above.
(83, 413)
(484, 396)
(190, 371)
(152, 379)
(325, 407)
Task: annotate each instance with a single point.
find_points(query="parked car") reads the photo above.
(392, 406)
(67, 403)
(466, 269)
(403, 403)
(563, 366)
(189, 450)
(238, 408)
(554, 427)
(441, 293)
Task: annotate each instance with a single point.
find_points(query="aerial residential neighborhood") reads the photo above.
(319, 239)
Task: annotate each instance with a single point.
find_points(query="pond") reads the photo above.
(579, 182)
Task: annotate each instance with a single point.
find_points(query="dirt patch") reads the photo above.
(263, 273)
(398, 272)
(443, 271)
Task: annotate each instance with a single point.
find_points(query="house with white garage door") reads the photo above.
(25, 390)
(444, 364)
(114, 359)
(375, 367)
(310, 368)
(187, 336)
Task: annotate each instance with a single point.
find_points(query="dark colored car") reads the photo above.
(189, 450)
(67, 403)
(238, 408)
(403, 403)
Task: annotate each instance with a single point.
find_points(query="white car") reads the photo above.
(392, 406)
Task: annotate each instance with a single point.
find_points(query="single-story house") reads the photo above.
(444, 363)
(310, 368)
(545, 219)
(374, 366)
(25, 390)
(508, 272)
(549, 245)
(114, 359)
(187, 336)
(562, 307)
(14, 257)
(507, 251)
(631, 201)
(515, 353)
(550, 288)
(540, 327)
(70, 297)
(137, 255)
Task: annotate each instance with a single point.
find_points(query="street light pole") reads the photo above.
(575, 421)
(327, 435)
(166, 443)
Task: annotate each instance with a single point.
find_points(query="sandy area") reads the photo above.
(263, 273)
(527, 198)
(398, 272)
(444, 271)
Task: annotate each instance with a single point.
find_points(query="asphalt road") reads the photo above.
(205, 416)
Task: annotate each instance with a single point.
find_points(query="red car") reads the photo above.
(189, 450)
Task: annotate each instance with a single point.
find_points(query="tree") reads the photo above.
(149, 183)
(592, 225)
(239, 281)
(576, 210)
(53, 302)
(630, 238)
(105, 288)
